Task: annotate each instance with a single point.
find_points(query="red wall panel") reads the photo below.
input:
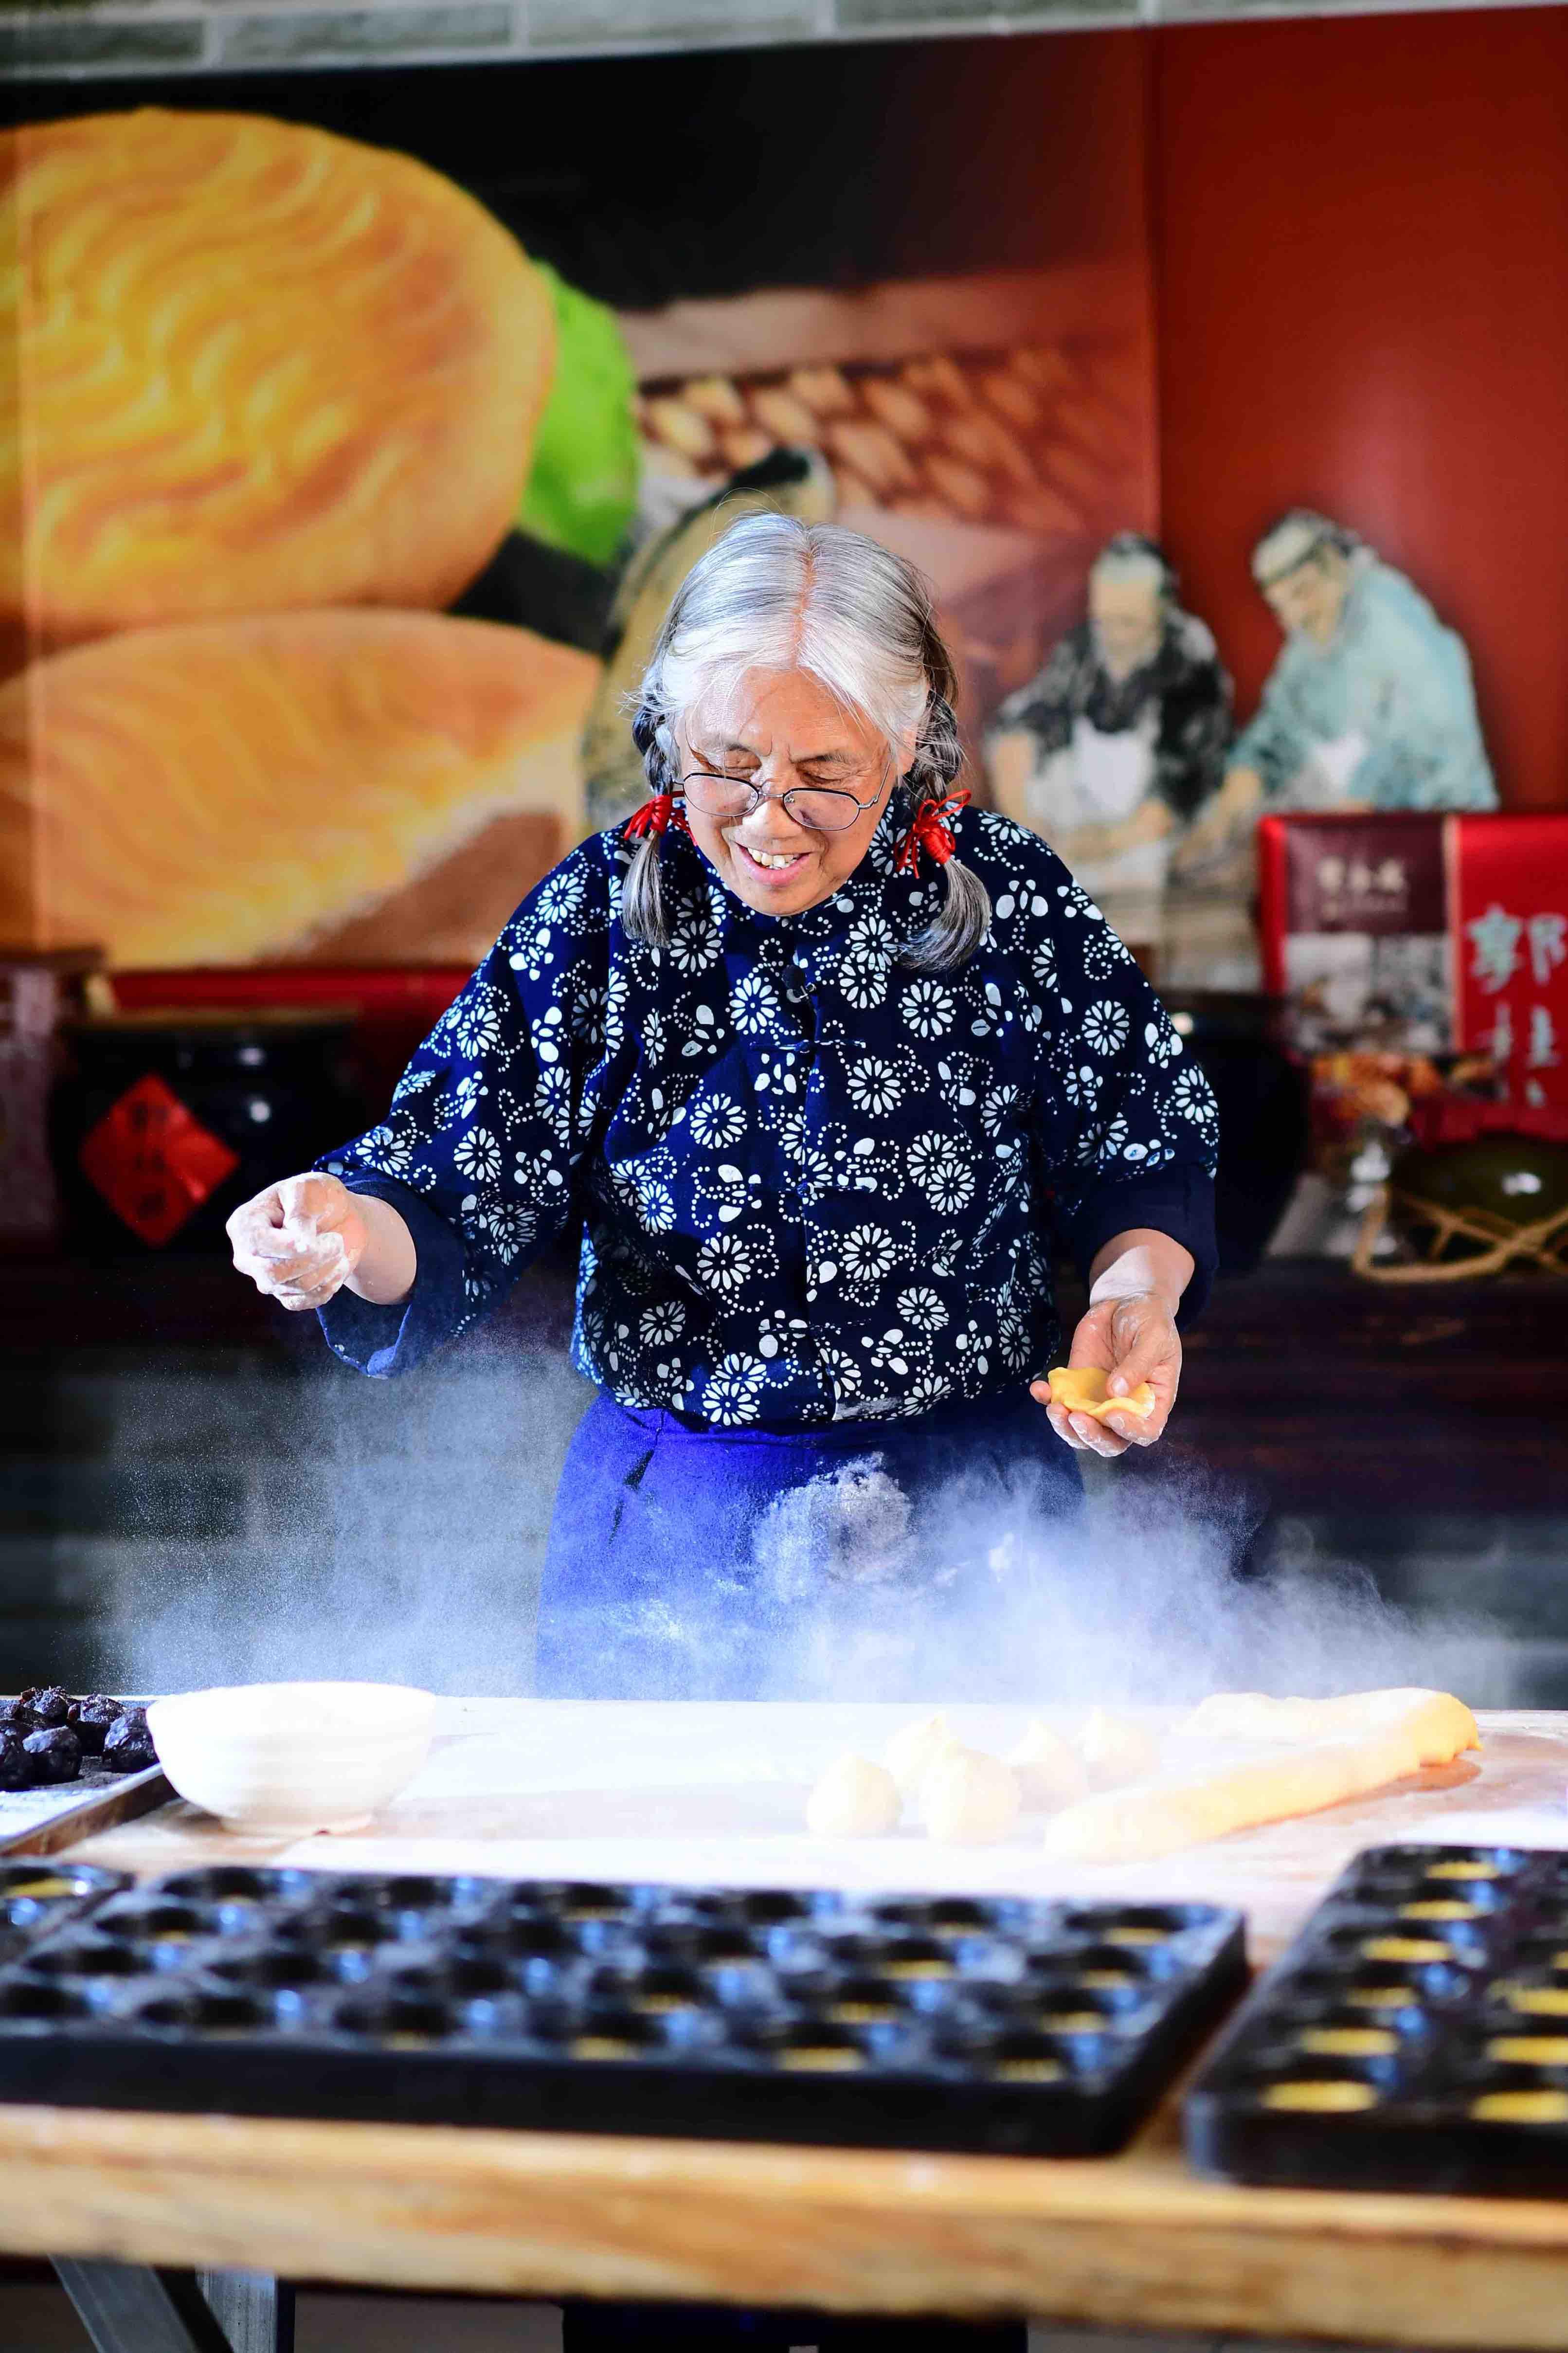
(1360, 238)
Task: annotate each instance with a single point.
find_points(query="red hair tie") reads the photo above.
(656, 816)
(930, 828)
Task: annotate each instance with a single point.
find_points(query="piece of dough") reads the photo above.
(969, 1798)
(1082, 1390)
(1050, 1772)
(1117, 1750)
(217, 791)
(1442, 1725)
(853, 1799)
(1330, 2097)
(914, 1749)
(1542, 2107)
(264, 368)
(1136, 1825)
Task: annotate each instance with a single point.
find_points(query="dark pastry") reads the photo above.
(13, 1711)
(127, 1745)
(55, 1755)
(47, 1708)
(15, 1765)
(91, 1719)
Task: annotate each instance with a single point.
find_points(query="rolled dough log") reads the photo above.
(1135, 1825)
(1441, 1724)
(1117, 1750)
(1050, 1772)
(969, 1798)
(854, 1798)
(1081, 1389)
(914, 1749)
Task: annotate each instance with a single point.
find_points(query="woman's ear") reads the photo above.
(903, 748)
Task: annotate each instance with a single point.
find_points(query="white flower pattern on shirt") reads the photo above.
(807, 1180)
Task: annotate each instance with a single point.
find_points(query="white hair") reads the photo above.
(1131, 556)
(1286, 544)
(777, 594)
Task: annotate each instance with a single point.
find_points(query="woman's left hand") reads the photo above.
(1131, 1339)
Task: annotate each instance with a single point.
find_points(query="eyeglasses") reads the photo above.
(821, 808)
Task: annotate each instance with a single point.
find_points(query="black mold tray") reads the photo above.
(36, 1896)
(1415, 2036)
(911, 2023)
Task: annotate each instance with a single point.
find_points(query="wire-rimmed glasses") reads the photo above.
(820, 808)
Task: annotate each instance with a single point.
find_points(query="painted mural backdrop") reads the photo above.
(341, 521)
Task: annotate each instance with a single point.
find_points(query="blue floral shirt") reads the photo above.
(809, 1182)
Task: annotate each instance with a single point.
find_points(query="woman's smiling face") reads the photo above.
(782, 730)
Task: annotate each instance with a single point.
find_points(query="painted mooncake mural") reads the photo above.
(333, 521)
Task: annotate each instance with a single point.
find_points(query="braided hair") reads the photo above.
(959, 924)
(642, 891)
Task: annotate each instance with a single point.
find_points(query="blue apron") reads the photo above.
(854, 1559)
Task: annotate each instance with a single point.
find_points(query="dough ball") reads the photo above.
(1049, 1771)
(1117, 1750)
(854, 1798)
(969, 1798)
(914, 1749)
(266, 368)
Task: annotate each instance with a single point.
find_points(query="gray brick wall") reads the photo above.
(83, 38)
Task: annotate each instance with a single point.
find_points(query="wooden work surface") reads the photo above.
(705, 1792)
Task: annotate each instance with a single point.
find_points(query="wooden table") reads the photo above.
(1131, 2241)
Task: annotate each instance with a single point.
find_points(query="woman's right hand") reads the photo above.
(300, 1240)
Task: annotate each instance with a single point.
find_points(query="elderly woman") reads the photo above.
(815, 1064)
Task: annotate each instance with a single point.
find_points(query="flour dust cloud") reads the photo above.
(396, 1530)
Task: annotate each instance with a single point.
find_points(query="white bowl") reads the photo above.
(290, 1759)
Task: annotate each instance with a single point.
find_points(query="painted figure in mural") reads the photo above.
(1370, 704)
(1120, 740)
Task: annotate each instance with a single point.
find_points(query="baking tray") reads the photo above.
(42, 1820)
(909, 2022)
(1415, 2036)
(33, 1901)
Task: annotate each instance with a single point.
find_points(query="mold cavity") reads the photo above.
(204, 2013)
(820, 2051)
(1028, 2059)
(864, 2001)
(955, 1918)
(271, 1969)
(479, 1976)
(661, 1992)
(1358, 2041)
(1135, 1924)
(22, 1999)
(918, 1957)
(400, 2025)
(769, 1909)
(1321, 2094)
(346, 1929)
(587, 1902)
(615, 2035)
(719, 1948)
(90, 1957)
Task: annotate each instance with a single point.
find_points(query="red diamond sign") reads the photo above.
(153, 1161)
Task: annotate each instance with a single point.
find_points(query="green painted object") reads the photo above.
(581, 493)
(1511, 1180)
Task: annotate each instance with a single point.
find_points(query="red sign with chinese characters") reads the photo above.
(1509, 901)
(1462, 926)
(1380, 875)
(153, 1161)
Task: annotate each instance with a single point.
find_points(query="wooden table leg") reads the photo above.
(132, 2308)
